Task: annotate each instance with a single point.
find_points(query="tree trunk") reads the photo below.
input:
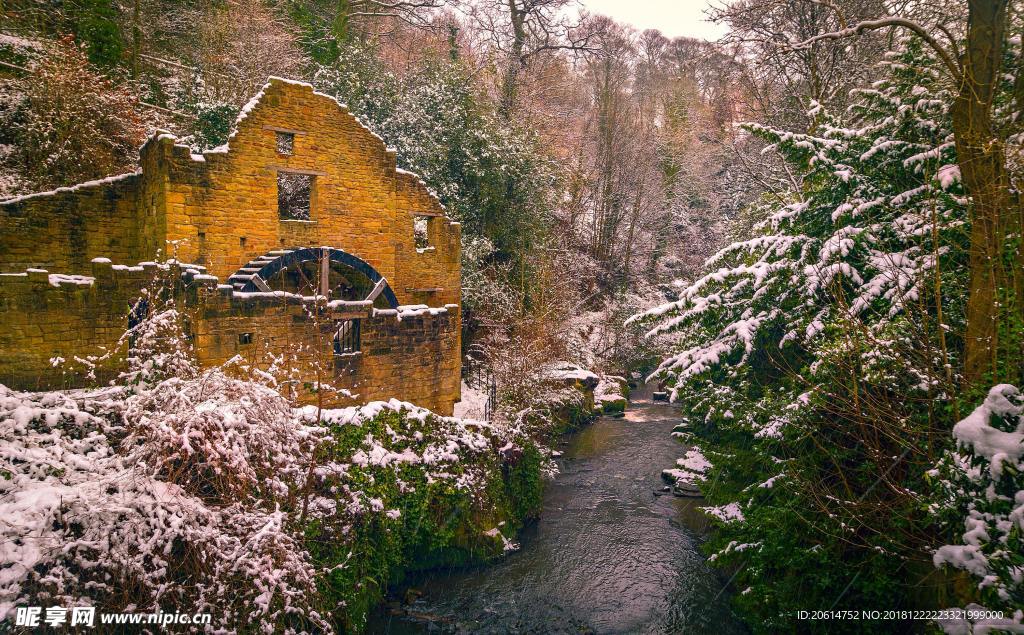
(1016, 347)
(516, 61)
(983, 170)
(136, 38)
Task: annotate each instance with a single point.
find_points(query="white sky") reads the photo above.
(672, 17)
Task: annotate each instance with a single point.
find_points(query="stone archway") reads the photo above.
(257, 274)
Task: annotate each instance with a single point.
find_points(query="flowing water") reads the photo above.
(606, 556)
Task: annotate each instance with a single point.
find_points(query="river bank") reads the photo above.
(608, 554)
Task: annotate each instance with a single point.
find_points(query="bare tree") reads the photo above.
(375, 17)
(779, 79)
(520, 31)
(244, 42)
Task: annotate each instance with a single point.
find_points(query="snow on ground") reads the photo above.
(609, 390)
(473, 404)
(19, 43)
(568, 371)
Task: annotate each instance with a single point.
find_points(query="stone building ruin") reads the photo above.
(302, 194)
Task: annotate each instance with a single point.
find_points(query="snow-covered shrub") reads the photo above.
(981, 485)
(86, 522)
(74, 124)
(219, 438)
(194, 493)
(157, 346)
(691, 469)
(534, 392)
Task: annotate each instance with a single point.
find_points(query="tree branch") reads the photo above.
(873, 25)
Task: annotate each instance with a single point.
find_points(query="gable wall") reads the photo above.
(361, 203)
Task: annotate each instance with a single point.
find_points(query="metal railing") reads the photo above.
(479, 377)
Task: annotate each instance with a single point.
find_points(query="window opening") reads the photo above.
(294, 195)
(285, 143)
(421, 231)
(346, 338)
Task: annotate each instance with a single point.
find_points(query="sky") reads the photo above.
(671, 17)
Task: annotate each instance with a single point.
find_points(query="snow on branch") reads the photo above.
(882, 23)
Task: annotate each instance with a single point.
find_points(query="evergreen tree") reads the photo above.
(95, 24)
(818, 358)
(981, 485)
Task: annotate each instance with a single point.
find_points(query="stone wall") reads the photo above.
(413, 358)
(409, 354)
(65, 229)
(47, 317)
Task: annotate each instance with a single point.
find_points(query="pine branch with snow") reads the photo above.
(981, 483)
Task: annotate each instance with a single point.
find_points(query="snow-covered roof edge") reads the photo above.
(72, 188)
(258, 97)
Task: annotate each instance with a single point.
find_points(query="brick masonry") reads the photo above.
(220, 210)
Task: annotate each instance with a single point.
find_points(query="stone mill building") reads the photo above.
(303, 201)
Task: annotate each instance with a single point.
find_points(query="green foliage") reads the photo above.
(322, 38)
(612, 407)
(95, 25)
(213, 119)
(523, 483)
(440, 521)
(212, 125)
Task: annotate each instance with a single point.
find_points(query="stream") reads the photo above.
(606, 556)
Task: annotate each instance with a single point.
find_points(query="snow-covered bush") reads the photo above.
(219, 438)
(981, 483)
(156, 347)
(610, 394)
(73, 123)
(86, 521)
(156, 344)
(214, 494)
